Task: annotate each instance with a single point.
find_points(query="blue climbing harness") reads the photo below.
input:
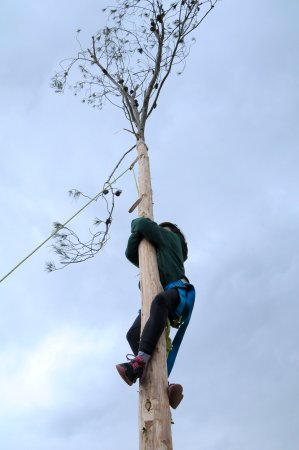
(181, 317)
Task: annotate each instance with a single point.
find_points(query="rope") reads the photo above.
(65, 223)
(136, 183)
(168, 338)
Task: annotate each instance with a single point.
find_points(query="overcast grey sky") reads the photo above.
(224, 153)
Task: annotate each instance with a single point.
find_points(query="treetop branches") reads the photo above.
(129, 60)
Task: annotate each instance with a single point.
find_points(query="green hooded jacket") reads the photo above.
(171, 249)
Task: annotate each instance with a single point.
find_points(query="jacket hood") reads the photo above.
(175, 229)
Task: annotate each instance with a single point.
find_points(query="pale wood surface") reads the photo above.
(154, 412)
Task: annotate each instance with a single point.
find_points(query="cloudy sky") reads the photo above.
(224, 154)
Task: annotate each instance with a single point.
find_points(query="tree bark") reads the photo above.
(154, 412)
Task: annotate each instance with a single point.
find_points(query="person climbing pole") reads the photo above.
(173, 304)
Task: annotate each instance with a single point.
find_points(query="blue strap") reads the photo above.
(187, 298)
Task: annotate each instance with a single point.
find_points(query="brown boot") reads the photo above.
(175, 394)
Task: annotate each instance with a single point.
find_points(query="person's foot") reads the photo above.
(131, 370)
(175, 394)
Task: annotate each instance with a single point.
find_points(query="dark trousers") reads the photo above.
(163, 305)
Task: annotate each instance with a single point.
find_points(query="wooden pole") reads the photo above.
(154, 412)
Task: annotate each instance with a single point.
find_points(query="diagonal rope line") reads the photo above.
(110, 183)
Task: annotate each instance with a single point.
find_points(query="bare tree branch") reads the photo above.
(127, 63)
(130, 59)
(68, 246)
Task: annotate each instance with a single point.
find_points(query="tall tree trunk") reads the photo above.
(154, 412)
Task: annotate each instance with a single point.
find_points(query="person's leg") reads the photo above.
(163, 304)
(161, 307)
(133, 335)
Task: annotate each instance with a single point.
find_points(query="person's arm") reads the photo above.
(142, 228)
(132, 248)
(148, 229)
